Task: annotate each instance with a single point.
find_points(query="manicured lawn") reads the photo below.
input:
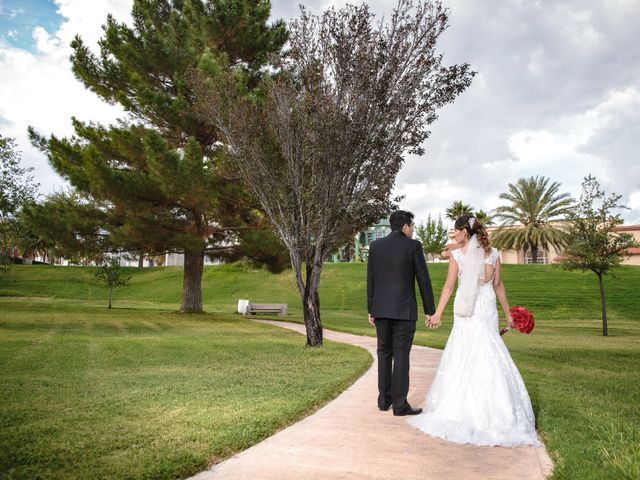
(140, 393)
(585, 388)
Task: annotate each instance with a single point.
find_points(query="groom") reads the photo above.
(393, 265)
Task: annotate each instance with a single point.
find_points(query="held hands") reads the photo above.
(433, 321)
(372, 321)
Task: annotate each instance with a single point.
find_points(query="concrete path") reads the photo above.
(349, 438)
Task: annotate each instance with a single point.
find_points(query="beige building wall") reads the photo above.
(634, 230)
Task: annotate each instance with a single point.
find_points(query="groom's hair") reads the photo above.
(400, 218)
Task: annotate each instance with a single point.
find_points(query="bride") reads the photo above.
(477, 395)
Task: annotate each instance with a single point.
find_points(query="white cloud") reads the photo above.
(86, 18)
(44, 42)
(634, 204)
(430, 197)
(556, 94)
(40, 89)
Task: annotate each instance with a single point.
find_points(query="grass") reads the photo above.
(92, 393)
(585, 388)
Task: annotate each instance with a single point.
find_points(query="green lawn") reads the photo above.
(585, 388)
(141, 393)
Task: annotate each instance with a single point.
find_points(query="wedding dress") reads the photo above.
(477, 395)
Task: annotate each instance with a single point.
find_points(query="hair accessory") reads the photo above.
(472, 222)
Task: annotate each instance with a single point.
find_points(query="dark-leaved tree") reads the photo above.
(17, 189)
(322, 151)
(162, 170)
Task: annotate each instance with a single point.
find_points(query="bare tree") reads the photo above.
(322, 152)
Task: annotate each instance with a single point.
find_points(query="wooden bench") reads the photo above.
(248, 308)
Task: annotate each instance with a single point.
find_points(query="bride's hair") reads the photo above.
(478, 228)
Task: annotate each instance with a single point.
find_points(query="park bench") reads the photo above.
(245, 307)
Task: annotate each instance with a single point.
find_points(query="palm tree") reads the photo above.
(527, 222)
(484, 217)
(457, 209)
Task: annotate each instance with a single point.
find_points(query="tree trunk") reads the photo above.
(110, 295)
(141, 260)
(27, 258)
(309, 292)
(192, 281)
(604, 306)
(534, 253)
(311, 306)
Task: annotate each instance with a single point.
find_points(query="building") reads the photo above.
(554, 256)
(358, 250)
(177, 260)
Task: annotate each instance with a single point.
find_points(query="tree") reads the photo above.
(433, 236)
(161, 172)
(5, 262)
(531, 219)
(110, 273)
(17, 188)
(594, 244)
(458, 209)
(322, 151)
(68, 224)
(484, 217)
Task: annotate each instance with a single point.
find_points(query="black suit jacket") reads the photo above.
(393, 265)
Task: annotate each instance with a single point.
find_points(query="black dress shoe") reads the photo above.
(407, 410)
(385, 407)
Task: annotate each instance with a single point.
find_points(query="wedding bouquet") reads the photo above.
(522, 319)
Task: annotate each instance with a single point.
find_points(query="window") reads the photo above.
(542, 256)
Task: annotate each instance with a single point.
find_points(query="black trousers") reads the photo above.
(395, 338)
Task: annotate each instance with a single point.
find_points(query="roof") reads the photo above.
(626, 228)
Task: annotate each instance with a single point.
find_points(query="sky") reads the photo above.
(557, 93)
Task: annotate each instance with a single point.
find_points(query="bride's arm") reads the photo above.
(435, 319)
(501, 293)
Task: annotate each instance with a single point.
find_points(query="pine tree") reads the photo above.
(161, 170)
(65, 224)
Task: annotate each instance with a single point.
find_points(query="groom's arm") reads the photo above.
(370, 283)
(424, 282)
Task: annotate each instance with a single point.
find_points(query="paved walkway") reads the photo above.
(349, 438)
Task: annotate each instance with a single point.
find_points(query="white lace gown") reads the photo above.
(477, 395)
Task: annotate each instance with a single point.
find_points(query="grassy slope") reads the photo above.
(585, 388)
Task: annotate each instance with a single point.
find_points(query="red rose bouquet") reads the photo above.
(522, 319)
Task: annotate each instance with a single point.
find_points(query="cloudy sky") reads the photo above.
(557, 93)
